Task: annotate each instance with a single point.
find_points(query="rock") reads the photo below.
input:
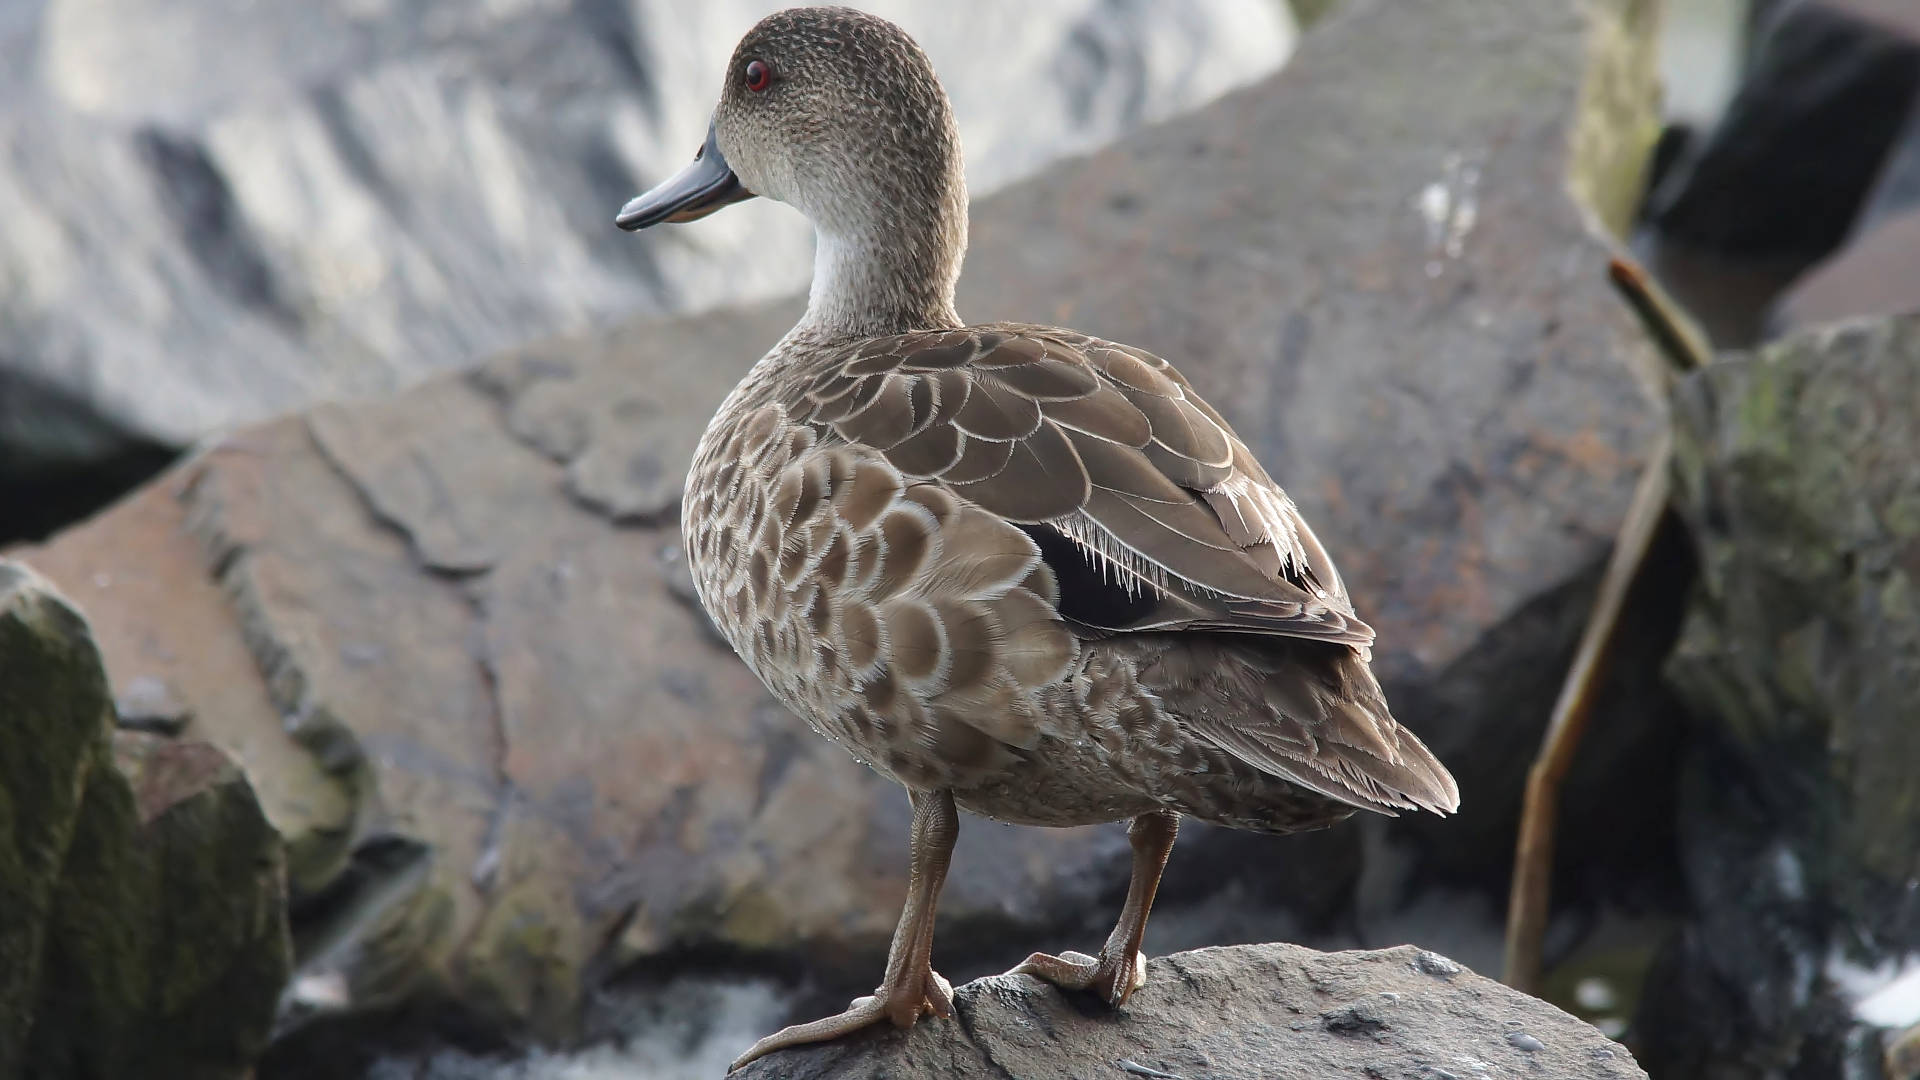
(345, 197)
(448, 630)
(1800, 146)
(149, 704)
(1902, 1060)
(1275, 1011)
(60, 460)
(1800, 661)
(1411, 327)
(1875, 272)
(1897, 189)
(1782, 180)
(146, 928)
(1876, 275)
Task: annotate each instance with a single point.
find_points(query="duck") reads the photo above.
(1018, 569)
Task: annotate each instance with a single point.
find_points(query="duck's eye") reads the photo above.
(759, 75)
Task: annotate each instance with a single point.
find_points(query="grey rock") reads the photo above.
(1272, 1011)
(1876, 275)
(440, 628)
(1897, 189)
(345, 196)
(1796, 154)
(1877, 271)
(1434, 964)
(1800, 660)
(1797, 166)
(1524, 1041)
(146, 928)
(149, 704)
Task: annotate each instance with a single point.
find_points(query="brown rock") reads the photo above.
(159, 616)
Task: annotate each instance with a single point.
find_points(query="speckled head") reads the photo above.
(838, 114)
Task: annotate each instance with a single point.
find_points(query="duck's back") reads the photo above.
(1034, 565)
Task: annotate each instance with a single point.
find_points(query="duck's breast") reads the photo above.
(907, 624)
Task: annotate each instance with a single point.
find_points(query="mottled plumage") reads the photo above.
(1013, 567)
(867, 522)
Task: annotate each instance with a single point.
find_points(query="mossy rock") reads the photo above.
(1797, 470)
(146, 931)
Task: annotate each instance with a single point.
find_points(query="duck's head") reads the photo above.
(838, 114)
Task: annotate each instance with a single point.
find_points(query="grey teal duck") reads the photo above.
(1017, 569)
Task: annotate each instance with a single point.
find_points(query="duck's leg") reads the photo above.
(911, 988)
(1120, 969)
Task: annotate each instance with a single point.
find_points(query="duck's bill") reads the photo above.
(694, 192)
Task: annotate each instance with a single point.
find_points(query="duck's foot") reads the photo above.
(1121, 968)
(1113, 977)
(903, 1004)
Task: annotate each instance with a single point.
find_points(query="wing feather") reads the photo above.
(1007, 450)
(1109, 446)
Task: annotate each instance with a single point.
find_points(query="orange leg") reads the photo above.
(1120, 969)
(911, 988)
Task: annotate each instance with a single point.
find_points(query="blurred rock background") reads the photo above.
(1786, 179)
(323, 305)
(218, 210)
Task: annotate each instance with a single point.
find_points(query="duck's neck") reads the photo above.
(888, 275)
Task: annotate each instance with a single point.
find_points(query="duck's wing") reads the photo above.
(1098, 451)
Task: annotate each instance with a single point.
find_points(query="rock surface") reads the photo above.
(1877, 275)
(344, 196)
(146, 927)
(1798, 151)
(1277, 1012)
(1795, 471)
(1795, 166)
(1877, 272)
(450, 636)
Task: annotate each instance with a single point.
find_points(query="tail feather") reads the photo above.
(1312, 713)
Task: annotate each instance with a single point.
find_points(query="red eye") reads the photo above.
(759, 75)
